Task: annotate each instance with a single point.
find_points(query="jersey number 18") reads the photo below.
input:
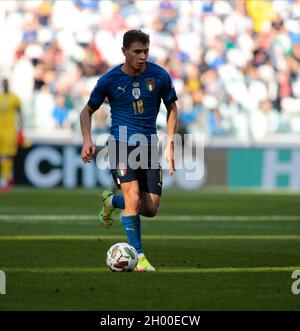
(138, 106)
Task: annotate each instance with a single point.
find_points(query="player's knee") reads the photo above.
(151, 211)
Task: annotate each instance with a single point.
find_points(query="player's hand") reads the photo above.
(169, 156)
(87, 152)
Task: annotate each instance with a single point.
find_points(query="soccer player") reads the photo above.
(134, 90)
(10, 112)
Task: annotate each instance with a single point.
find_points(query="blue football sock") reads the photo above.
(132, 227)
(118, 201)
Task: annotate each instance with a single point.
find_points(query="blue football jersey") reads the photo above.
(134, 100)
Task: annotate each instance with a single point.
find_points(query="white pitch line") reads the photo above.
(159, 270)
(148, 237)
(92, 219)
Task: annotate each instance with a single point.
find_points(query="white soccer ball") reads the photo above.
(121, 257)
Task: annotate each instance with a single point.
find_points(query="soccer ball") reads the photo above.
(121, 257)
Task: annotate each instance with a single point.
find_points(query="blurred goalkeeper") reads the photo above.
(10, 134)
(134, 90)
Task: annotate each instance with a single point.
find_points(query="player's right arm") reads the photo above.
(88, 149)
(96, 99)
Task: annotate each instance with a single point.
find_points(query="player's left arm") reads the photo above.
(171, 130)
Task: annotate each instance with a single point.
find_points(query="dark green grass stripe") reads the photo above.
(150, 237)
(164, 270)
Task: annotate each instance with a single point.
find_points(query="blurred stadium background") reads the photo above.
(235, 65)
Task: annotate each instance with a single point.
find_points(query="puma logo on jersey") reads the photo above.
(121, 88)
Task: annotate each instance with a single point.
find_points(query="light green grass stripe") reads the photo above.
(164, 270)
(167, 192)
(151, 237)
(91, 219)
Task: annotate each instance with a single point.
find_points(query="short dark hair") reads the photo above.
(132, 36)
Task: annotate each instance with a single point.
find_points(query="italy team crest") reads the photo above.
(121, 169)
(150, 84)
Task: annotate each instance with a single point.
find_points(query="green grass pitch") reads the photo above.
(213, 250)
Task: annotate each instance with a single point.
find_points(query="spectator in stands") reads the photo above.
(61, 112)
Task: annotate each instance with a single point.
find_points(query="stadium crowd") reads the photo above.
(235, 63)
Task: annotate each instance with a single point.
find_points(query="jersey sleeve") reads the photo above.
(98, 94)
(168, 92)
